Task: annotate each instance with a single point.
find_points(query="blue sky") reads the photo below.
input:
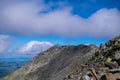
(27, 25)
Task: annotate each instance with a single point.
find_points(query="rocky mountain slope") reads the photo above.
(54, 63)
(104, 64)
(80, 62)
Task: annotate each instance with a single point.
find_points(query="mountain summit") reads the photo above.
(71, 63)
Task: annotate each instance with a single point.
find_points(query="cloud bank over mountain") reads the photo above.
(41, 20)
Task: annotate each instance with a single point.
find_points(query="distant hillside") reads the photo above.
(8, 65)
(71, 63)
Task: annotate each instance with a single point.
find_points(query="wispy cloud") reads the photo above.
(4, 43)
(31, 48)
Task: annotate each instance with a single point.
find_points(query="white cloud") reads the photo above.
(20, 17)
(4, 43)
(32, 47)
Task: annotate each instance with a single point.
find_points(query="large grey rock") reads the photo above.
(117, 55)
(86, 77)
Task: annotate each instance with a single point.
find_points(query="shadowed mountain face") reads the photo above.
(54, 63)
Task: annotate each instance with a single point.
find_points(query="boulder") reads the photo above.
(117, 57)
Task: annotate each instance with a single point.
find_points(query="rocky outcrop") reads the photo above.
(104, 64)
